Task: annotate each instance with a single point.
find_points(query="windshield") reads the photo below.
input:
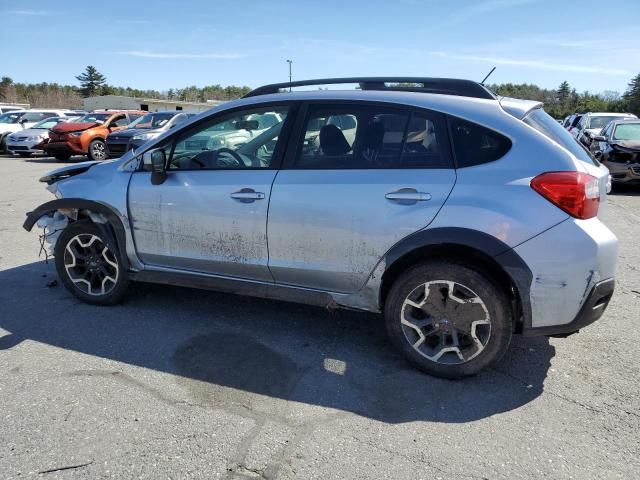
(47, 123)
(601, 122)
(541, 121)
(93, 118)
(629, 131)
(12, 117)
(152, 120)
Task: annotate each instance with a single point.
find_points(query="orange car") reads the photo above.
(86, 135)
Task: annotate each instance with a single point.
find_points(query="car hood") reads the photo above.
(73, 127)
(66, 172)
(627, 145)
(593, 131)
(30, 132)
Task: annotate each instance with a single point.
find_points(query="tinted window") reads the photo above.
(121, 122)
(542, 122)
(474, 144)
(369, 137)
(235, 141)
(36, 116)
(93, 118)
(599, 122)
(151, 120)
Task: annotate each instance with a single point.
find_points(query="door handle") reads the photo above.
(407, 196)
(247, 195)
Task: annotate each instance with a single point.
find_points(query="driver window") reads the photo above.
(244, 139)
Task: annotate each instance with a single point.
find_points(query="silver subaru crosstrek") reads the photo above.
(463, 217)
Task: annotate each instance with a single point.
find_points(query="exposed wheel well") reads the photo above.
(465, 255)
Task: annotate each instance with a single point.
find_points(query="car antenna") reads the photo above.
(488, 74)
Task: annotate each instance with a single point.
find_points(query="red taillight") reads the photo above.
(574, 192)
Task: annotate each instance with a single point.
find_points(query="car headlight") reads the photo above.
(145, 136)
(75, 134)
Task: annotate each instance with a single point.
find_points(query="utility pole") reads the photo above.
(289, 62)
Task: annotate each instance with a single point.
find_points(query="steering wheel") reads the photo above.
(239, 162)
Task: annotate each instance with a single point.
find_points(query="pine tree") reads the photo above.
(91, 81)
(632, 95)
(563, 92)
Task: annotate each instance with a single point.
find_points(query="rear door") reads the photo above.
(358, 178)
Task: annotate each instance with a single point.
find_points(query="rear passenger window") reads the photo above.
(474, 144)
(370, 137)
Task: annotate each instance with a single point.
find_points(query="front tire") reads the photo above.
(447, 319)
(98, 150)
(87, 267)
(24, 154)
(63, 157)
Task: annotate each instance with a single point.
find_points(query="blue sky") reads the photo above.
(166, 44)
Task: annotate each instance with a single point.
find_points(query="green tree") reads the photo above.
(5, 84)
(563, 93)
(632, 95)
(91, 81)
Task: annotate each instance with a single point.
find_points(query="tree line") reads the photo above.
(558, 102)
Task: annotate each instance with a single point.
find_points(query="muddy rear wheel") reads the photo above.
(448, 319)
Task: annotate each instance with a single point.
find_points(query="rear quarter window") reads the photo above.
(542, 122)
(474, 144)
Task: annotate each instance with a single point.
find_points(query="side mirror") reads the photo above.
(600, 138)
(156, 159)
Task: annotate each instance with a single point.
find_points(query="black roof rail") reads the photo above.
(444, 86)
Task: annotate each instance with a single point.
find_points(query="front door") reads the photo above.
(362, 177)
(210, 214)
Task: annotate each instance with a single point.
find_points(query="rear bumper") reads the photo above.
(592, 309)
(567, 263)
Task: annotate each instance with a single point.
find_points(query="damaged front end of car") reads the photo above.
(94, 192)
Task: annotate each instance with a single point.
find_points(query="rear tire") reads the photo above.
(447, 319)
(98, 150)
(87, 267)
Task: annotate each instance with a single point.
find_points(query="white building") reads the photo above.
(121, 102)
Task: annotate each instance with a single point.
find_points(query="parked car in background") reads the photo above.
(618, 148)
(143, 129)
(18, 120)
(572, 122)
(591, 124)
(28, 141)
(10, 108)
(457, 215)
(87, 134)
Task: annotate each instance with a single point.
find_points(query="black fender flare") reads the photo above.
(502, 254)
(116, 235)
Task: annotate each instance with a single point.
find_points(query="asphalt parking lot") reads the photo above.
(179, 383)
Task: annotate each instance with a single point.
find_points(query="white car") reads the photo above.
(10, 108)
(22, 142)
(13, 122)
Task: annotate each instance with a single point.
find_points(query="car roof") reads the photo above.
(610, 114)
(452, 104)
